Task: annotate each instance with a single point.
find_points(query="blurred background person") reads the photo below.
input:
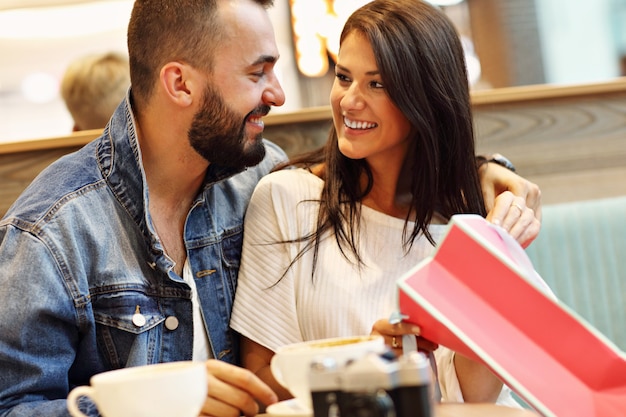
(93, 86)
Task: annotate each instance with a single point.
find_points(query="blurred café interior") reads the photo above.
(531, 53)
(508, 42)
(548, 92)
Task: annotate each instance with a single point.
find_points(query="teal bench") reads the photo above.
(581, 254)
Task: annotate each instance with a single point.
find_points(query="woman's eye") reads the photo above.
(342, 78)
(376, 84)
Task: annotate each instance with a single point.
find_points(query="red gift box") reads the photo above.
(480, 296)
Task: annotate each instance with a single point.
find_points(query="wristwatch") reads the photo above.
(502, 160)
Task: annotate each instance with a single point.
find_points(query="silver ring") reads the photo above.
(517, 206)
(394, 343)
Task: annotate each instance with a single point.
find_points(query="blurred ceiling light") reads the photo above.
(316, 26)
(310, 46)
(65, 21)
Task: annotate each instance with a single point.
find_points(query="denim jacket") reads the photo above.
(79, 256)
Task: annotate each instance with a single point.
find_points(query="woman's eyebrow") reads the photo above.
(344, 69)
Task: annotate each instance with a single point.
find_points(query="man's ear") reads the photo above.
(178, 82)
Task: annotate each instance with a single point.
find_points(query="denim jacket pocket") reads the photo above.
(127, 327)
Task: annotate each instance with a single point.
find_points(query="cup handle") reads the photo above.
(74, 395)
(278, 376)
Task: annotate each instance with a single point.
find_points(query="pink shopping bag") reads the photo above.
(479, 295)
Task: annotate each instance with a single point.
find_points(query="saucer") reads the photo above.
(289, 408)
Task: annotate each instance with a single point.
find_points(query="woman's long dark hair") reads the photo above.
(420, 58)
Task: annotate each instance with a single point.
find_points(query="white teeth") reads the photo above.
(256, 120)
(353, 124)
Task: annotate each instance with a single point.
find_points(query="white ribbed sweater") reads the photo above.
(340, 300)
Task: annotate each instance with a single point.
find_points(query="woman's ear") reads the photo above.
(177, 81)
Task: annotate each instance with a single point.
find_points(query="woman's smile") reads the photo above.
(358, 124)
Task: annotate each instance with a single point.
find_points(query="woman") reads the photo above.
(324, 244)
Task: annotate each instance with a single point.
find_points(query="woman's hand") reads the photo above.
(495, 179)
(392, 333)
(512, 214)
(234, 391)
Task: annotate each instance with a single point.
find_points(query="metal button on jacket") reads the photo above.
(139, 319)
(171, 323)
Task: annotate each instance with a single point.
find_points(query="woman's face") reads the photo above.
(368, 123)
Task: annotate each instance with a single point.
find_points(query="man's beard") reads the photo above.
(218, 134)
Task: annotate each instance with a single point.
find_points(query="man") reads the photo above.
(126, 252)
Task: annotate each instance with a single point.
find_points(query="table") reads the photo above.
(480, 410)
(465, 410)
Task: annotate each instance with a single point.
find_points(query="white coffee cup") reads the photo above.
(290, 364)
(162, 390)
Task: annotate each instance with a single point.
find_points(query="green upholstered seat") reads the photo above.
(581, 254)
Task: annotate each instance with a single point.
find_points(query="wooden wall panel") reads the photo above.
(574, 149)
(18, 169)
